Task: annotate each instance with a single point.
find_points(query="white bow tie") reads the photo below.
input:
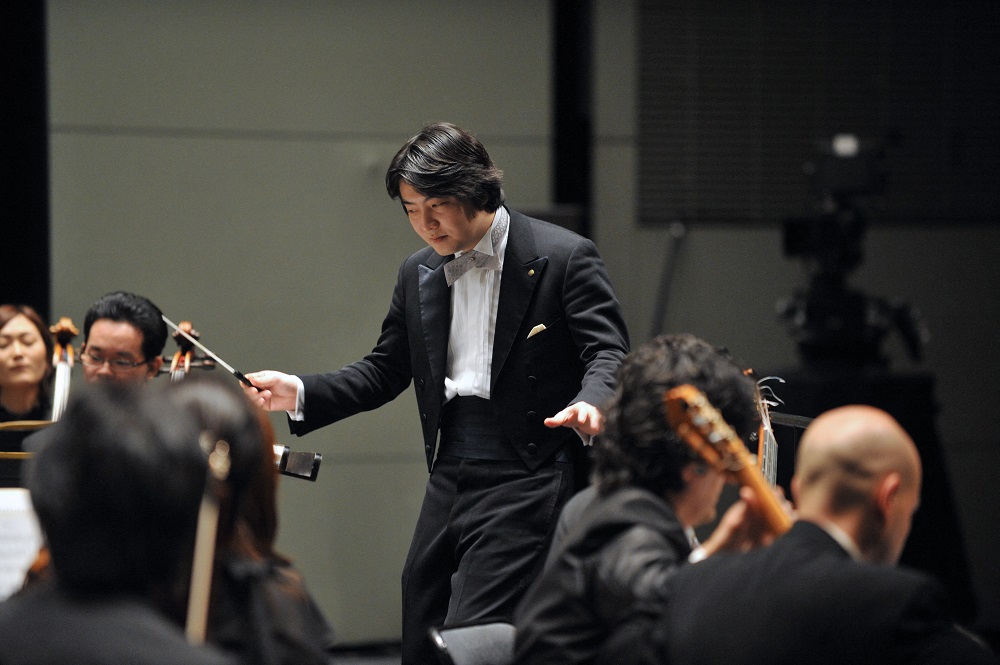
(476, 259)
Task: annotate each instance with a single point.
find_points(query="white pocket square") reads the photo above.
(537, 329)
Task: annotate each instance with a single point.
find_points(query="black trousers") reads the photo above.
(483, 531)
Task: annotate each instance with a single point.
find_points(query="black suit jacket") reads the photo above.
(550, 276)
(802, 600)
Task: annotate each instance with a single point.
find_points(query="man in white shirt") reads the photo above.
(511, 333)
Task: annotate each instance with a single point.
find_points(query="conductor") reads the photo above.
(511, 333)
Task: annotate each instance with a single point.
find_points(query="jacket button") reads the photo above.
(427, 449)
(423, 417)
(532, 449)
(530, 415)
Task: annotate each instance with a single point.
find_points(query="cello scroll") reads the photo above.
(63, 360)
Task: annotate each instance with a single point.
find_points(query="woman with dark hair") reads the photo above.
(259, 609)
(25, 365)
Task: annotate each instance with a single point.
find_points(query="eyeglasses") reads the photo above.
(116, 365)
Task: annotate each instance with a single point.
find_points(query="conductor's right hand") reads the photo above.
(272, 391)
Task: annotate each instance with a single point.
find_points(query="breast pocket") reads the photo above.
(551, 344)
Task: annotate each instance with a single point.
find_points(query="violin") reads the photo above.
(62, 360)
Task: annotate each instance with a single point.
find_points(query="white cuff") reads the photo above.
(697, 554)
(299, 414)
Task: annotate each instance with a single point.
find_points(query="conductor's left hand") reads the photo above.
(581, 416)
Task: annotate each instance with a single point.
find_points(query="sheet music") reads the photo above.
(20, 538)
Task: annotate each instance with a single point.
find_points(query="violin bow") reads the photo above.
(200, 592)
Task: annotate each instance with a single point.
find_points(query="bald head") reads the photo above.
(857, 467)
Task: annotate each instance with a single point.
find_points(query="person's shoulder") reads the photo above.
(544, 230)
(630, 519)
(877, 577)
(99, 629)
(154, 640)
(928, 630)
(577, 504)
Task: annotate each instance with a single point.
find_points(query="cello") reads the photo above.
(63, 359)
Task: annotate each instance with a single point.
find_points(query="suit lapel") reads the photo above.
(522, 269)
(435, 315)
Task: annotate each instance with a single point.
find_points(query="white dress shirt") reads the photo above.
(474, 299)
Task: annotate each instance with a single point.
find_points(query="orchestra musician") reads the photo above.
(260, 609)
(116, 484)
(123, 339)
(634, 528)
(124, 335)
(826, 592)
(26, 372)
(26, 349)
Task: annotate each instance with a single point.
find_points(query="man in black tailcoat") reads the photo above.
(511, 333)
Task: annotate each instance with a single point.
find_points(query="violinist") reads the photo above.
(123, 339)
(25, 364)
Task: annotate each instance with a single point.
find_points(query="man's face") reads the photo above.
(705, 486)
(113, 352)
(442, 221)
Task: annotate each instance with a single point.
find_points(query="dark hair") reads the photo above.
(259, 610)
(637, 446)
(445, 160)
(135, 310)
(8, 312)
(248, 514)
(116, 484)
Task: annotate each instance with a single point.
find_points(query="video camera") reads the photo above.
(831, 323)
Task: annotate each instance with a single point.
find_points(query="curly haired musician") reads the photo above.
(650, 491)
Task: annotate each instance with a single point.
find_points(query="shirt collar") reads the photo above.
(842, 539)
(485, 244)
